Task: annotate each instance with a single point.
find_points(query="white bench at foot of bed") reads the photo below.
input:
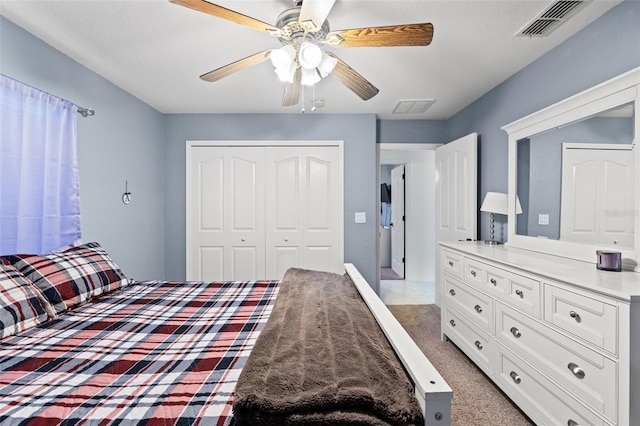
(433, 393)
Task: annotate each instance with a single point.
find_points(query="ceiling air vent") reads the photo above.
(550, 18)
(412, 106)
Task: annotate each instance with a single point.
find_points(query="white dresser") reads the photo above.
(558, 336)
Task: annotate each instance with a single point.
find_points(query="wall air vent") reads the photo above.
(550, 18)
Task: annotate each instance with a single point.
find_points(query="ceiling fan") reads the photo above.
(302, 30)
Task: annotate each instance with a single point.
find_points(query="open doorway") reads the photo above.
(392, 229)
(416, 283)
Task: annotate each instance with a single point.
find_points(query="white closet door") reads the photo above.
(304, 205)
(597, 194)
(225, 223)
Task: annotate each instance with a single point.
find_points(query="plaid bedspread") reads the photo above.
(154, 353)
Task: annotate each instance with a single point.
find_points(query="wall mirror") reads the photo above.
(575, 172)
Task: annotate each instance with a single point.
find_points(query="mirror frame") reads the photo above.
(615, 92)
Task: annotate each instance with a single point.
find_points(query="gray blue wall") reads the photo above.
(608, 47)
(123, 141)
(359, 135)
(128, 140)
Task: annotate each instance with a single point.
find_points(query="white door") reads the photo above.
(456, 194)
(304, 226)
(225, 219)
(397, 220)
(597, 194)
(457, 190)
(255, 211)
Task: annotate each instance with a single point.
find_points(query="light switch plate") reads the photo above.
(361, 217)
(543, 219)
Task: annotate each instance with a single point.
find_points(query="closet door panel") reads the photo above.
(319, 258)
(323, 210)
(244, 214)
(305, 184)
(225, 222)
(211, 263)
(284, 258)
(255, 211)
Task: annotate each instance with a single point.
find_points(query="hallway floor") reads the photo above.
(402, 292)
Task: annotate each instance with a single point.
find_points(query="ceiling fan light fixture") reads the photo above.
(286, 74)
(283, 58)
(310, 55)
(310, 76)
(326, 65)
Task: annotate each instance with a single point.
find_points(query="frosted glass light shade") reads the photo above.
(310, 55)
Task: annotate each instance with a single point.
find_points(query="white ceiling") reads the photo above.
(156, 50)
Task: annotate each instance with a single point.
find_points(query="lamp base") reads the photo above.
(492, 242)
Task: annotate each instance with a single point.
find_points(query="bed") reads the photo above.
(82, 344)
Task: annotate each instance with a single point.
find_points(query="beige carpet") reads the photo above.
(476, 400)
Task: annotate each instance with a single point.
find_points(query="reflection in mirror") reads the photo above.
(590, 198)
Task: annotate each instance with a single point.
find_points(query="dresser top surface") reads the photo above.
(623, 285)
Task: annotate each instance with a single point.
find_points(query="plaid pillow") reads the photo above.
(20, 307)
(71, 277)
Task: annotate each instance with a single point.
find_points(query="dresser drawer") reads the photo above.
(476, 306)
(536, 395)
(475, 273)
(451, 263)
(478, 346)
(516, 290)
(587, 374)
(592, 319)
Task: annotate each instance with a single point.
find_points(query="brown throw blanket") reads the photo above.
(323, 359)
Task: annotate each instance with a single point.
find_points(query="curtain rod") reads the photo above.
(85, 112)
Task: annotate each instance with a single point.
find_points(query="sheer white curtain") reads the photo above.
(39, 187)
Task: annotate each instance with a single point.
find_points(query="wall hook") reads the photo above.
(126, 197)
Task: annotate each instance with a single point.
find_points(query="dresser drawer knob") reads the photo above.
(453, 323)
(572, 423)
(493, 281)
(451, 264)
(473, 273)
(575, 316)
(478, 345)
(452, 292)
(515, 332)
(520, 293)
(576, 370)
(515, 377)
(478, 308)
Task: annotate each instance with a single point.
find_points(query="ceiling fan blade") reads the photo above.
(291, 94)
(236, 66)
(354, 81)
(389, 36)
(228, 14)
(313, 13)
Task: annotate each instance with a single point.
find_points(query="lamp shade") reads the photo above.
(496, 202)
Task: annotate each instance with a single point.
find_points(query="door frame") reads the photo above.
(404, 147)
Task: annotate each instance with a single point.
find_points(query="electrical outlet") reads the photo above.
(543, 219)
(361, 217)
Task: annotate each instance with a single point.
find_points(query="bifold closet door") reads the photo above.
(304, 209)
(255, 211)
(225, 222)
